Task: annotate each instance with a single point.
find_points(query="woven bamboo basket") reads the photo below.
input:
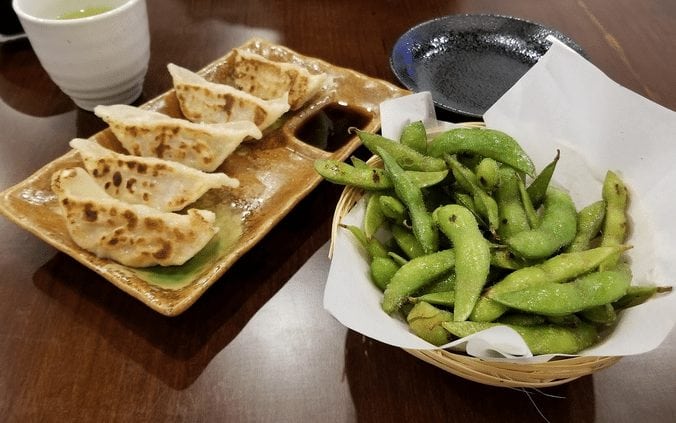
(495, 373)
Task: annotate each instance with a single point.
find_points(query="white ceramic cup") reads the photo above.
(100, 59)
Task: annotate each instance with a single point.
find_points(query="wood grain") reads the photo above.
(258, 346)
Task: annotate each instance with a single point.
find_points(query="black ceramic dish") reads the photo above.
(469, 61)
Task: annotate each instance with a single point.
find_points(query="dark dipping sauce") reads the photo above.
(328, 127)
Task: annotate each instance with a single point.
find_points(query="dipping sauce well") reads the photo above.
(328, 127)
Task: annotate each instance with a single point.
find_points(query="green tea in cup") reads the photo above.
(84, 12)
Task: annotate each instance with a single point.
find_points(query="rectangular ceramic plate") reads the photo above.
(275, 173)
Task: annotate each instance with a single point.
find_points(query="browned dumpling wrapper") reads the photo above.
(268, 79)
(157, 183)
(208, 102)
(133, 235)
(151, 134)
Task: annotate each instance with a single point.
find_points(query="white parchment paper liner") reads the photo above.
(564, 103)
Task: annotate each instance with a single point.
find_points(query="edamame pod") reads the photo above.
(406, 157)
(485, 142)
(541, 339)
(407, 242)
(373, 216)
(557, 228)
(382, 269)
(473, 255)
(484, 204)
(446, 299)
(552, 299)
(568, 320)
(589, 221)
(529, 208)
(425, 321)
(522, 319)
(639, 294)
(464, 177)
(414, 136)
(504, 259)
(445, 284)
(601, 315)
(343, 174)
(421, 221)
(371, 178)
(415, 274)
(392, 208)
(511, 212)
(397, 258)
(373, 247)
(560, 268)
(616, 196)
(359, 163)
(538, 188)
(487, 174)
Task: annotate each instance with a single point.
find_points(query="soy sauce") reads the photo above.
(328, 127)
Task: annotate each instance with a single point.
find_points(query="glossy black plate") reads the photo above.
(469, 61)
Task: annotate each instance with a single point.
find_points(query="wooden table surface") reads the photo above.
(258, 346)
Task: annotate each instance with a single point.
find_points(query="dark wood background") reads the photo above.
(258, 346)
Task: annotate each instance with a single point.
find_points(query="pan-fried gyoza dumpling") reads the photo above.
(204, 101)
(131, 234)
(268, 79)
(157, 183)
(151, 134)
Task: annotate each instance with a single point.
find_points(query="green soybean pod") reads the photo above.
(421, 220)
(382, 269)
(487, 173)
(414, 136)
(343, 174)
(415, 274)
(371, 178)
(393, 209)
(425, 321)
(529, 208)
(426, 179)
(569, 320)
(504, 259)
(522, 319)
(560, 268)
(359, 163)
(446, 298)
(541, 339)
(511, 212)
(616, 196)
(405, 156)
(538, 188)
(444, 284)
(602, 315)
(485, 142)
(473, 255)
(373, 215)
(373, 247)
(556, 230)
(589, 221)
(554, 299)
(467, 202)
(397, 258)
(638, 294)
(484, 204)
(464, 177)
(407, 241)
